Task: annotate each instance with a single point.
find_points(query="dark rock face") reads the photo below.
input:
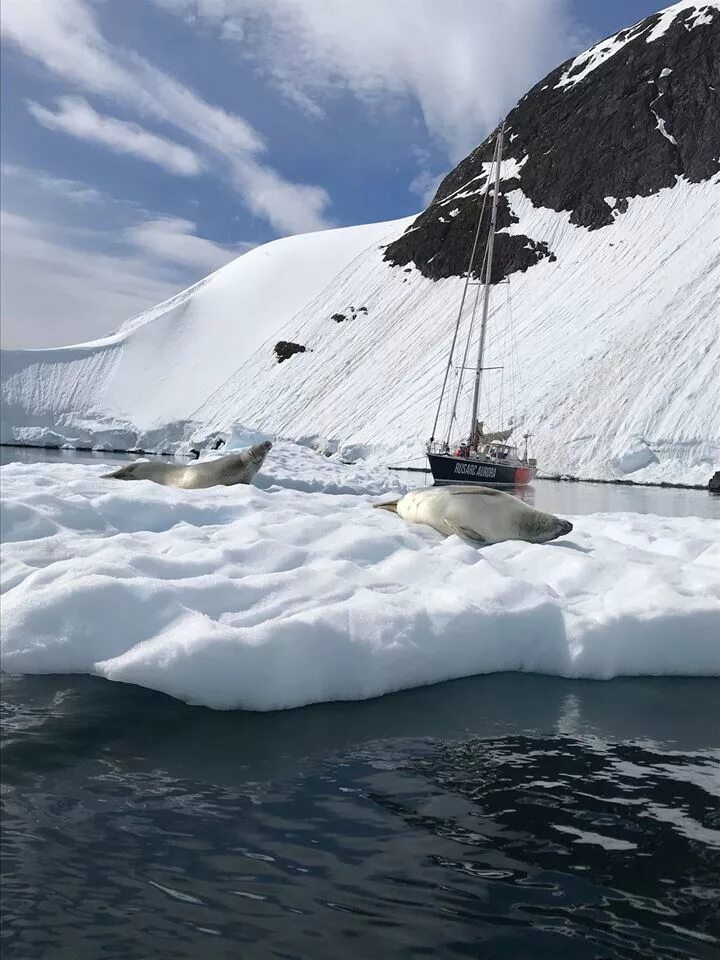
(342, 317)
(284, 349)
(714, 482)
(643, 117)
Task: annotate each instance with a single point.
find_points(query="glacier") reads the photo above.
(610, 246)
(618, 342)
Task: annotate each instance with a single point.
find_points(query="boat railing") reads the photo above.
(438, 447)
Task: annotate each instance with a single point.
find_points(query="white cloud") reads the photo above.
(64, 37)
(77, 263)
(290, 207)
(73, 190)
(425, 184)
(464, 62)
(426, 181)
(77, 118)
(174, 239)
(55, 292)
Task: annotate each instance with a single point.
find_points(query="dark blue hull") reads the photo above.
(447, 469)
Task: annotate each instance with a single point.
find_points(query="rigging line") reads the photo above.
(487, 278)
(513, 356)
(506, 328)
(462, 303)
(448, 413)
(465, 354)
(405, 460)
(517, 364)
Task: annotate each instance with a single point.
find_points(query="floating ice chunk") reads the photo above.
(271, 598)
(598, 839)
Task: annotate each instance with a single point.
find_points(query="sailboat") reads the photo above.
(480, 457)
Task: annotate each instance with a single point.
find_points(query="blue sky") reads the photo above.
(147, 142)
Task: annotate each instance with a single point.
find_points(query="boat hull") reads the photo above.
(482, 473)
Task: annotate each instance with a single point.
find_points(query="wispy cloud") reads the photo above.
(74, 190)
(77, 262)
(77, 118)
(55, 291)
(290, 207)
(63, 35)
(174, 239)
(426, 181)
(464, 62)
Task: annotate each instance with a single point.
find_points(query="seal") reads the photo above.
(225, 471)
(478, 514)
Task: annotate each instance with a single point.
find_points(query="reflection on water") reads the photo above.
(505, 816)
(552, 496)
(577, 498)
(42, 455)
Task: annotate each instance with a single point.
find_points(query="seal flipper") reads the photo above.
(391, 505)
(464, 532)
(122, 473)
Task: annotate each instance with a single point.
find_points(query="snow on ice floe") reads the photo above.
(275, 597)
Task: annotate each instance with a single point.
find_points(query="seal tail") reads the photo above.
(391, 505)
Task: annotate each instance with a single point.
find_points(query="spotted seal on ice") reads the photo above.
(478, 514)
(225, 471)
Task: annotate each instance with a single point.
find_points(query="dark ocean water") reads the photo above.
(506, 816)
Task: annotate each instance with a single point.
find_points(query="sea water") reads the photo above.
(499, 817)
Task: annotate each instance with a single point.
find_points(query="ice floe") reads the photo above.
(295, 591)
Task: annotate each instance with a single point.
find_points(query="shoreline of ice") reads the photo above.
(186, 450)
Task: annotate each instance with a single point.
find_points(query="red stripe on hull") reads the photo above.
(524, 476)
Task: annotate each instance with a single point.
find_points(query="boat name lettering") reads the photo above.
(474, 470)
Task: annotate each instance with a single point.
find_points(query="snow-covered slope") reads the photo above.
(621, 360)
(610, 236)
(140, 385)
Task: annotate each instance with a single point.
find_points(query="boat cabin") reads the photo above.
(498, 451)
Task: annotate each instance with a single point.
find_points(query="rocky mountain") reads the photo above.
(585, 140)
(609, 236)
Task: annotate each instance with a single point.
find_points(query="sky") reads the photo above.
(146, 143)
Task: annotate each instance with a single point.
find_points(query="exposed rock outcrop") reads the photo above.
(571, 147)
(284, 349)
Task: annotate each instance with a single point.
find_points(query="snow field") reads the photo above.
(296, 591)
(116, 391)
(620, 378)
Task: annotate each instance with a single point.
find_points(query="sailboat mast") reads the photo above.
(486, 291)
